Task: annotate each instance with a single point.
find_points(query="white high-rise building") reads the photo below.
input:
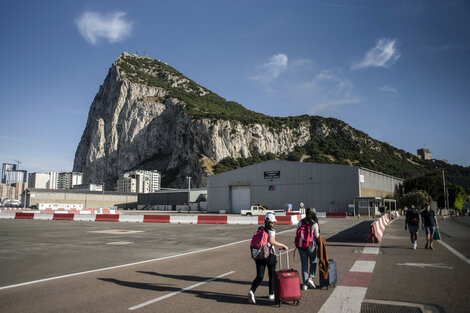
(12, 177)
(140, 181)
(38, 180)
(43, 180)
(6, 168)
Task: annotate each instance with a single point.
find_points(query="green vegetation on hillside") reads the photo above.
(209, 105)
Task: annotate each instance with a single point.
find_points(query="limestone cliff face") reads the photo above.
(133, 124)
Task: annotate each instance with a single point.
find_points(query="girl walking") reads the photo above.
(270, 262)
(305, 241)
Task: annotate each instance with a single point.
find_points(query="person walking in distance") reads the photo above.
(412, 222)
(305, 241)
(429, 225)
(270, 262)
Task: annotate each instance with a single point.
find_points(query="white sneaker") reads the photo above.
(251, 297)
(311, 284)
(304, 287)
(271, 297)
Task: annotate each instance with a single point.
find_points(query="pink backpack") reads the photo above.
(304, 236)
(259, 244)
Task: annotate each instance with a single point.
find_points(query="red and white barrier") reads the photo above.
(172, 219)
(377, 228)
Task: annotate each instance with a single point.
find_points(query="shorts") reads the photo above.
(413, 228)
(430, 230)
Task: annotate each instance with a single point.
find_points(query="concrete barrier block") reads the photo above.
(7, 215)
(156, 218)
(285, 220)
(63, 217)
(211, 219)
(242, 220)
(107, 218)
(183, 219)
(131, 218)
(84, 217)
(44, 216)
(24, 216)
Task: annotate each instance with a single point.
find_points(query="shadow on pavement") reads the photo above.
(196, 278)
(216, 296)
(356, 234)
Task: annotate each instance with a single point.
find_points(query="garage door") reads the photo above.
(240, 196)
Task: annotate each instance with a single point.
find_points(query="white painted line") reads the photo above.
(177, 292)
(130, 264)
(424, 265)
(119, 243)
(116, 231)
(370, 250)
(363, 266)
(460, 255)
(344, 299)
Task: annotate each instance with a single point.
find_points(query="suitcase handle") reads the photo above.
(280, 258)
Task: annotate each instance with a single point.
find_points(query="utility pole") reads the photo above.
(102, 199)
(445, 191)
(189, 192)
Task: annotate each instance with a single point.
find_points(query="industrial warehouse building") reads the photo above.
(325, 187)
(89, 199)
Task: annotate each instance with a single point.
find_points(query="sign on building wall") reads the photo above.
(272, 174)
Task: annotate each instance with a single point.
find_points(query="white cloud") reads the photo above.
(388, 88)
(329, 89)
(384, 54)
(271, 70)
(111, 26)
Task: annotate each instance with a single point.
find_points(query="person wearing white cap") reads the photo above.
(270, 262)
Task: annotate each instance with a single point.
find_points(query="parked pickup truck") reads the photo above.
(257, 209)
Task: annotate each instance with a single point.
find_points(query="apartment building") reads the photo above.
(66, 180)
(139, 181)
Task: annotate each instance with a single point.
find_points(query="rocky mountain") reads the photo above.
(147, 115)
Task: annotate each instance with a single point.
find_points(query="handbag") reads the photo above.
(437, 235)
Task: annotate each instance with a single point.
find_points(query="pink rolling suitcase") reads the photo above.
(286, 283)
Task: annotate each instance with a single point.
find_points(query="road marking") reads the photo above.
(119, 243)
(424, 265)
(178, 292)
(363, 266)
(116, 231)
(130, 264)
(344, 299)
(370, 250)
(461, 256)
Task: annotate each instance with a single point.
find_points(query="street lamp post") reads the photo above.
(189, 192)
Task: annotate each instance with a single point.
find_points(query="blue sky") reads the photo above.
(396, 70)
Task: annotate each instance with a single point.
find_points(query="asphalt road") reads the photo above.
(174, 268)
(436, 278)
